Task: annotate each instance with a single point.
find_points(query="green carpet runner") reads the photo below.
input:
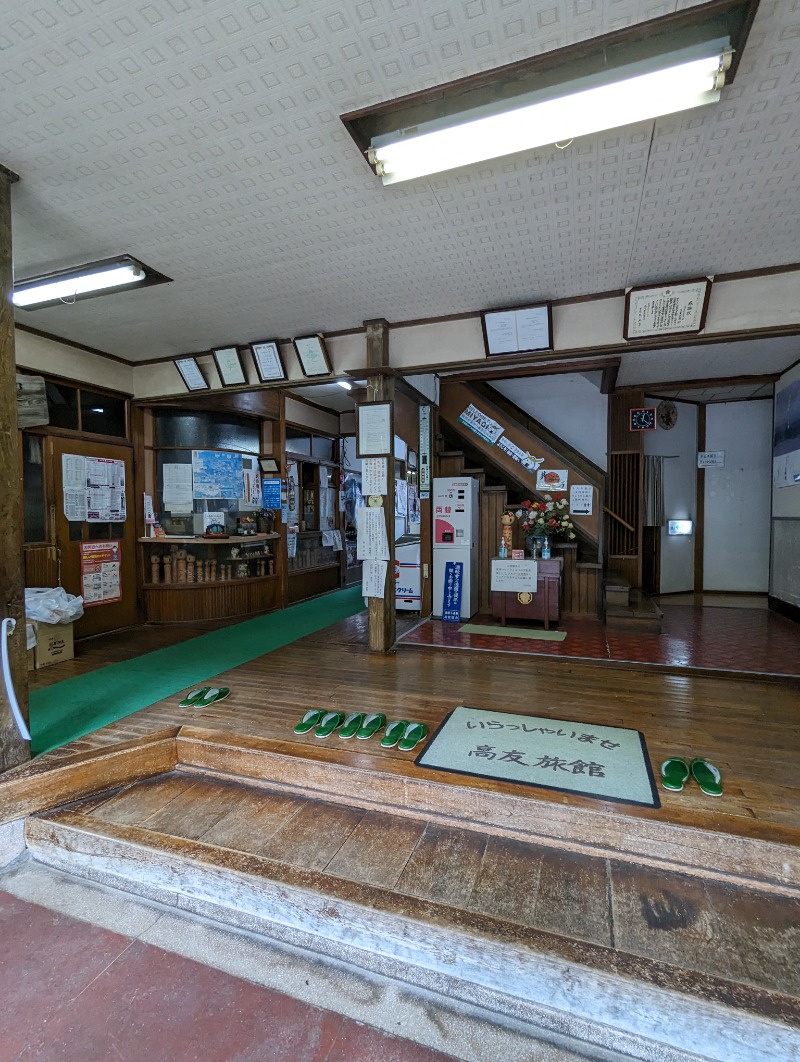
(67, 710)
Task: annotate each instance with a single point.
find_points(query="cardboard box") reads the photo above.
(53, 643)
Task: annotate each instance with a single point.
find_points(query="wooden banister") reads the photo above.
(619, 519)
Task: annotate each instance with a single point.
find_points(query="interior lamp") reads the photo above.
(591, 104)
(67, 285)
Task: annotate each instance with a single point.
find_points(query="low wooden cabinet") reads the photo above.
(206, 578)
(542, 607)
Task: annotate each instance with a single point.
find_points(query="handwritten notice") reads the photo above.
(517, 576)
(375, 429)
(374, 475)
(371, 540)
(581, 499)
(373, 578)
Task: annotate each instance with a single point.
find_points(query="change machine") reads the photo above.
(454, 502)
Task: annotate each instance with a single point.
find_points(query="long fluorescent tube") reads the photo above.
(633, 99)
(65, 288)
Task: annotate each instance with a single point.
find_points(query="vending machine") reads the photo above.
(454, 502)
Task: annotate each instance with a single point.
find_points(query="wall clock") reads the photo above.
(667, 414)
(643, 419)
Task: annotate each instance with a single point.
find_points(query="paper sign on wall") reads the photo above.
(451, 591)
(552, 479)
(373, 578)
(374, 475)
(371, 542)
(424, 451)
(581, 499)
(100, 572)
(711, 459)
(517, 576)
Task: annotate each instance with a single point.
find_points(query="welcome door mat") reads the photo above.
(607, 762)
(513, 632)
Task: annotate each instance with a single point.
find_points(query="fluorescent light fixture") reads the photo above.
(67, 285)
(632, 97)
(345, 384)
(680, 527)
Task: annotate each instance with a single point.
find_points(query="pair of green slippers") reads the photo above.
(675, 773)
(203, 696)
(362, 725)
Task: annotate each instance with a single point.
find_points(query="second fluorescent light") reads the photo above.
(67, 285)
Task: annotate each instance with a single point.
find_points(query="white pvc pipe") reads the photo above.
(9, 626)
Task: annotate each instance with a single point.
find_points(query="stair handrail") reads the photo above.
(618, 518)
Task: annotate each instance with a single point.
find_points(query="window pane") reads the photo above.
(208, 431)
(102, 414)
(33, 488)
(298, 441)
(62, 405)
(322, 448)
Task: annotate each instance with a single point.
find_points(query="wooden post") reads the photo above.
(13, 749)
(380, 388)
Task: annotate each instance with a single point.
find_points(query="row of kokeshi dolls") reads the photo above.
(180, 566)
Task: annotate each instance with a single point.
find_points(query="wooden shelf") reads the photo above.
(211, 582)
(198, 540)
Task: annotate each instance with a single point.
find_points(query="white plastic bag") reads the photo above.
(52, 605)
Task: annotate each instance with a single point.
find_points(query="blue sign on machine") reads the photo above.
(453, 583)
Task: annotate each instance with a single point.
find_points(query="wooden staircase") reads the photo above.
(540, 915)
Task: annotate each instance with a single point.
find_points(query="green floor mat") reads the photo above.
(67, 710)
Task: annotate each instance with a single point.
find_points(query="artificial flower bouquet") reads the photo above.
(548, 517)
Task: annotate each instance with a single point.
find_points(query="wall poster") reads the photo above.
(100, 572)
(93, 489)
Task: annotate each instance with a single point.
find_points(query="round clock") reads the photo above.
(667, 414)
(643, 419)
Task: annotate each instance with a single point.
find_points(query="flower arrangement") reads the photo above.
(548, 517)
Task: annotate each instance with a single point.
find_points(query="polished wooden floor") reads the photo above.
(750, 730)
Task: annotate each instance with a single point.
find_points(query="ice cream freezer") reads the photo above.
(407, 574)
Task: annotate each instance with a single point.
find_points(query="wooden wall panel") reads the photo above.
(206, 601)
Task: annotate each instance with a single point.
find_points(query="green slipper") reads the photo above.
(373, 722)
(707, 777)
(330, 721)
(204, 696)
(311, 719)
(674, 773)
(394, 731)
(352, 725)
(192, 696)
(414, 733)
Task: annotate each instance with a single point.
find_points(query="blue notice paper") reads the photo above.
(272, 493)
(453, 582)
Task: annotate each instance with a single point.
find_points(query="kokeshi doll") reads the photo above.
(190, 572)
(155, 569)
(167, 569)
(213, 571)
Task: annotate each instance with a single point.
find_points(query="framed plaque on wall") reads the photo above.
(667, 310)
(313, 355)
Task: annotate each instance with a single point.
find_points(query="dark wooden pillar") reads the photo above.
(380, 388)
(13, 749)
(700, 506)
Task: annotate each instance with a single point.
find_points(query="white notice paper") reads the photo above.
(375, 429)
(178, 494)
(73, 478)
(519, 576)
(581, 499)
(373, 578)
(371, 541)
(373, 475)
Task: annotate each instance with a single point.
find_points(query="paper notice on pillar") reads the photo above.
(581, 499)
(373, 578)
(371, 541)
(374, 475)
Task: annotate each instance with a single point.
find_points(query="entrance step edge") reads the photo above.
(588, 992)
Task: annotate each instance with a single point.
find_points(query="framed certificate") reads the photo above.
(229, 366)
(374, 429)
(269, 364)
(518, 330)
(313, 355)
(192, 374)
(667, 310)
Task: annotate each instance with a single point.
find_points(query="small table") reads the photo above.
(544, 605)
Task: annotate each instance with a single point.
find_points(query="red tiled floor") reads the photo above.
(75, 993)
(750, 640)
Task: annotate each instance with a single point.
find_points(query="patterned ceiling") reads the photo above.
(204, 138)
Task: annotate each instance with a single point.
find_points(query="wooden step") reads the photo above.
(604, 951)
(616, 589)
(639, 613)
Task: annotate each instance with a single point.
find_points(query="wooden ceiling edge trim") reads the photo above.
(547, 368)
(315, 405)
(9, 175)
(715, 381)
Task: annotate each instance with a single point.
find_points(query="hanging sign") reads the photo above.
(453, 585)
(100, 572)
(424, 451)
(581, 499)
